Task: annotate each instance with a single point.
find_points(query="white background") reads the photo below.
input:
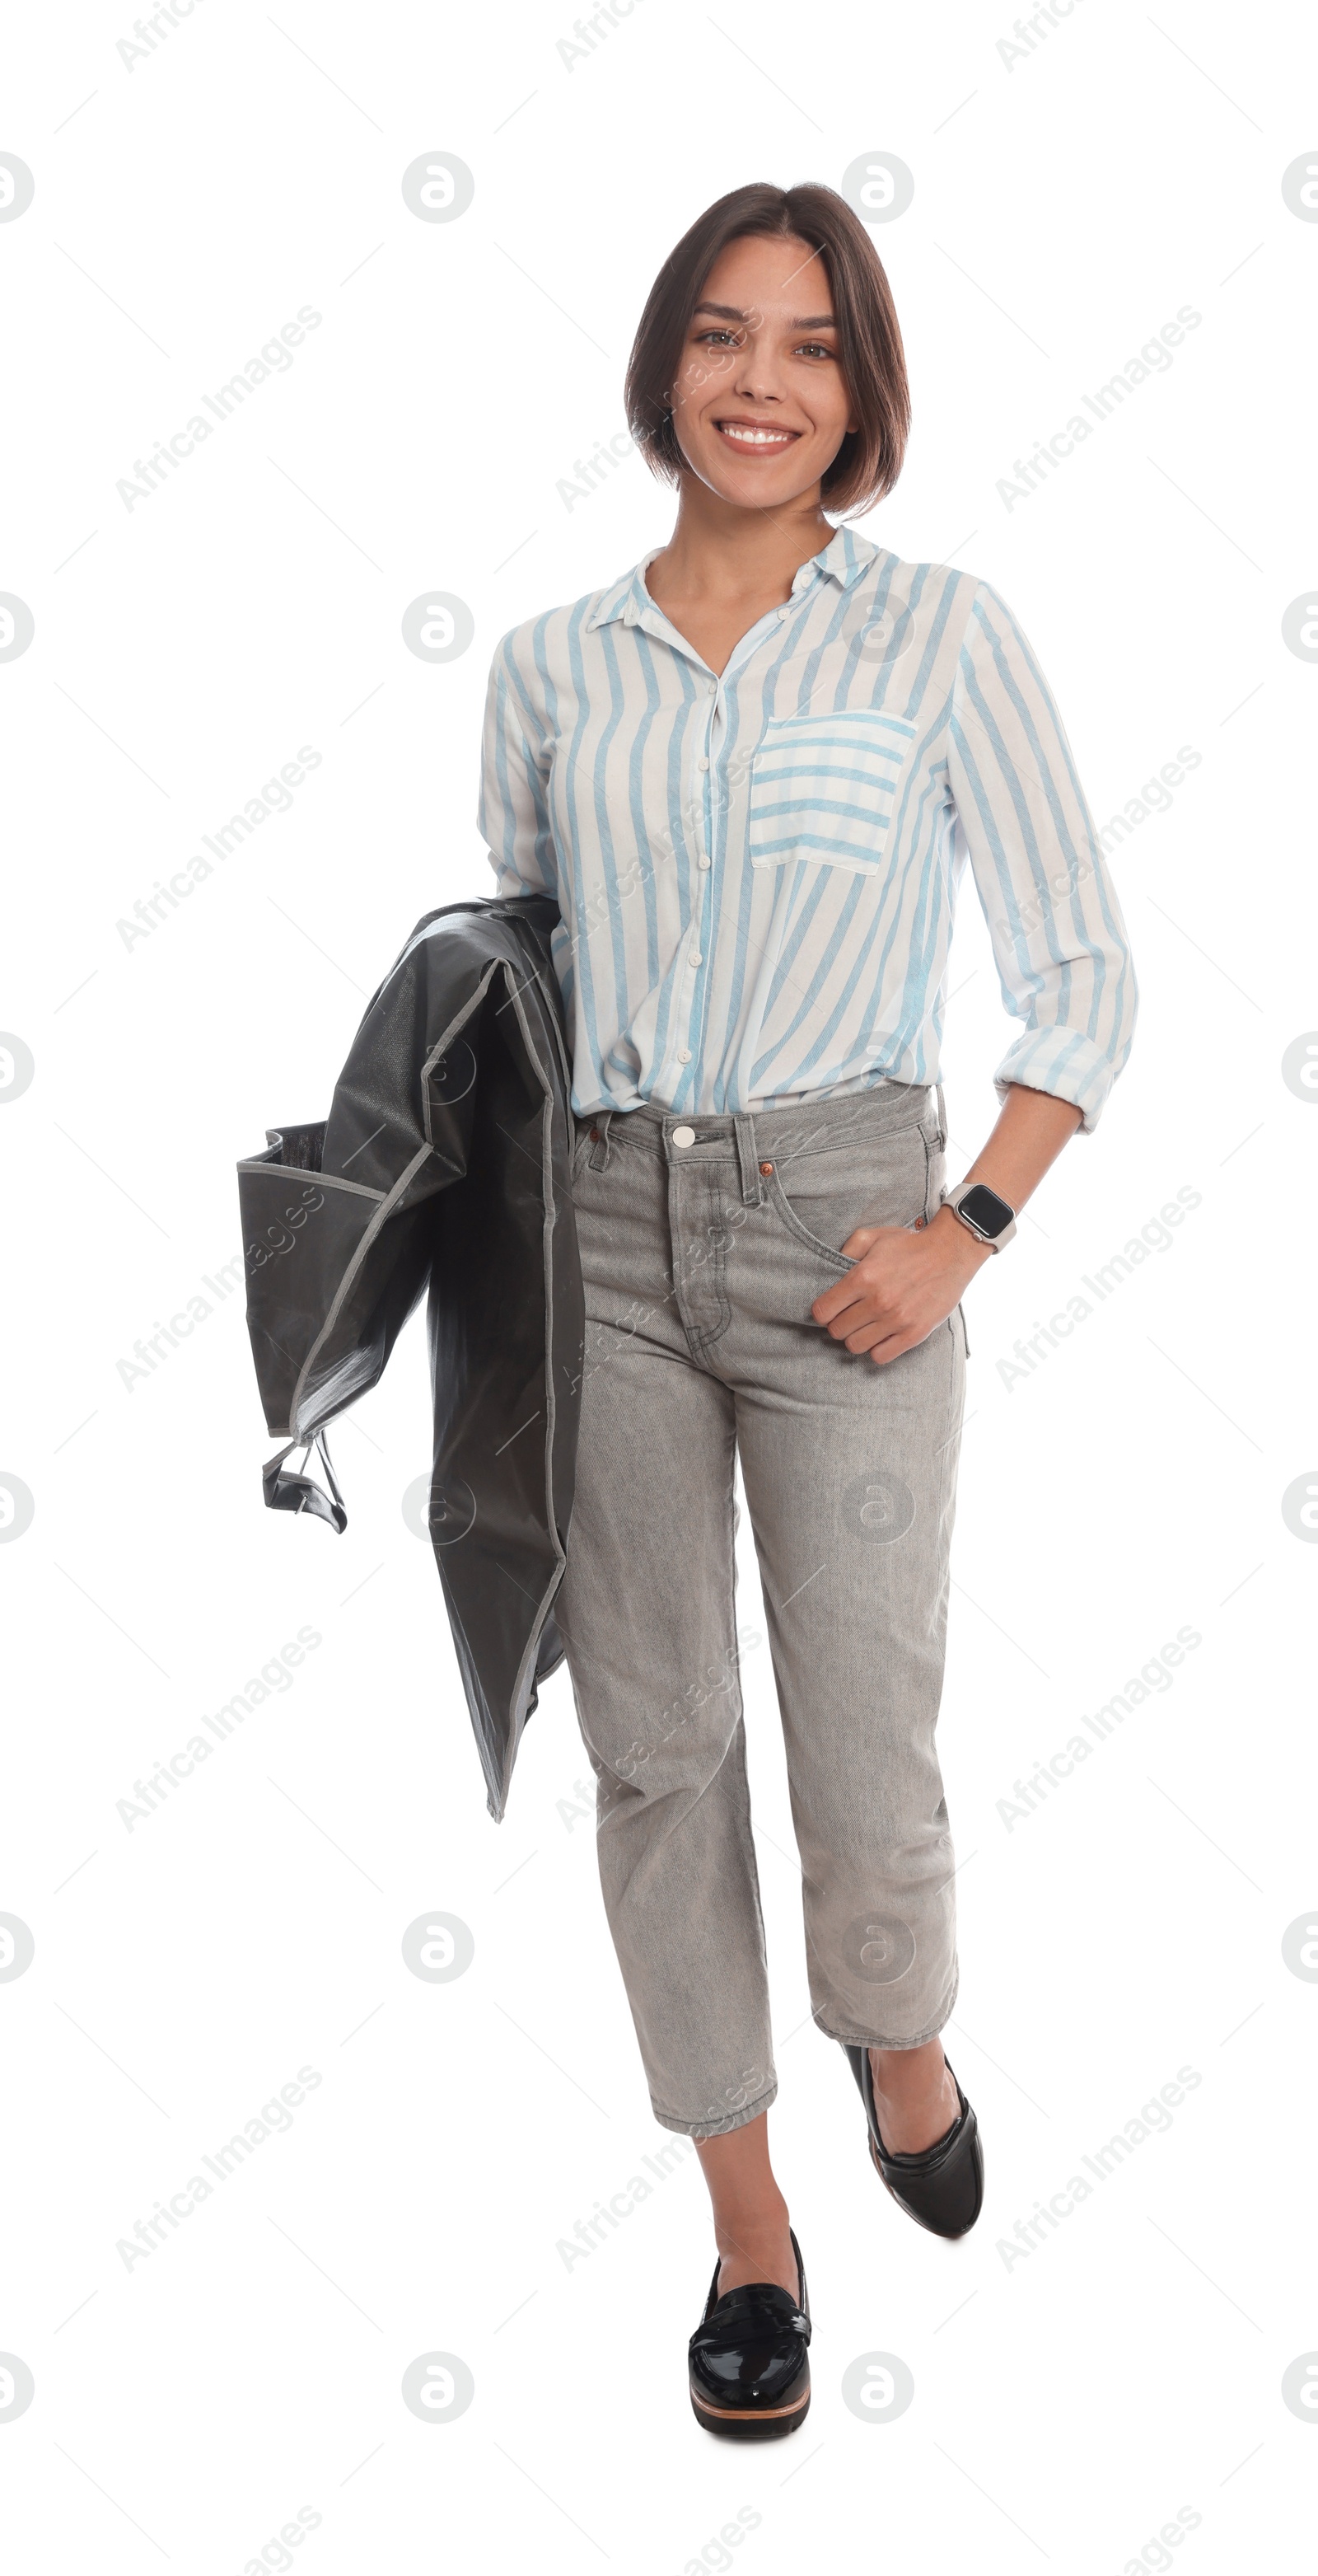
(1069, 2403)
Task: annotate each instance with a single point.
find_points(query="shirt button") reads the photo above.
(713, 688)
(684, 1055)
(702, 764)
(786, 612)
(694, 958)
(684, 1135)
(703, 860)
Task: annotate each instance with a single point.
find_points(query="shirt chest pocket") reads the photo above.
(824, 788)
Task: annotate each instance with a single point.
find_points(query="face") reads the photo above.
(760, 405)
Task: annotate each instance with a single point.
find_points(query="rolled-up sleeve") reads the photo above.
(1058, 937)
(513, 812)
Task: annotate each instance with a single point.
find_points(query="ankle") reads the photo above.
(737, 2230)
(915, 2096)
(760, 2253)
(909, 2073)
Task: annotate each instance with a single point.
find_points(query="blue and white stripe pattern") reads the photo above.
(756, 871)
(824, 785)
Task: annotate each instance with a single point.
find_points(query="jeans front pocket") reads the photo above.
(821, 1195)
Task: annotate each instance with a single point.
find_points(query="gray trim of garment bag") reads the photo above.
(356, 1189)
(526, 1669)
(533, 976)
(269, 1162)
(497, 1780)
(400, 1187)
(443, 1044)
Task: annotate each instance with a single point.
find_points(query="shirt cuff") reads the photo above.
(1063, 1062)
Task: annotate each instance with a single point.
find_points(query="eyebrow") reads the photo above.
(806, 322)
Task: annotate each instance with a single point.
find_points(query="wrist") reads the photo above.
(961, 1247)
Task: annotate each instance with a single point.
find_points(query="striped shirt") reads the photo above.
(756, 871)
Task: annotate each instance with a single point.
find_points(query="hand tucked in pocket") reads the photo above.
(905, 1283)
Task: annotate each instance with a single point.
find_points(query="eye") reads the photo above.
(716, 337)
(815, 349)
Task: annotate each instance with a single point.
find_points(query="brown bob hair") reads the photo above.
(870, 351)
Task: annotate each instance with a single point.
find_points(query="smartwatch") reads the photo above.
(982, 1212)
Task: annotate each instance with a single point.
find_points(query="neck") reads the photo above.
(719, 551)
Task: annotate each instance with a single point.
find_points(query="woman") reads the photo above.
(752, 772)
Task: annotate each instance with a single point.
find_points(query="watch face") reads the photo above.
(987, 1211)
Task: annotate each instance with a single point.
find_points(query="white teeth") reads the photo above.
(752, 437)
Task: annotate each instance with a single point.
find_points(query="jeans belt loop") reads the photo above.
(599, 1152)
(752, 1187)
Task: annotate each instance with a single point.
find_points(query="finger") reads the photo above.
(857, 1244)
(892, 1347)
(883, 1326)
(844, 1293)
(861, 1311)
(832, 1301)
(865, 1334)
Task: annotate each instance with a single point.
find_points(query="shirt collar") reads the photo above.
(842, 560)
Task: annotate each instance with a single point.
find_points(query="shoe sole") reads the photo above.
(751, 2423)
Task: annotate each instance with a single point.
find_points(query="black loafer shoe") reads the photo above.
(941, 2188)
(750, 2367)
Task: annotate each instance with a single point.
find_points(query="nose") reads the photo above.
(753, 379)
(754, 373)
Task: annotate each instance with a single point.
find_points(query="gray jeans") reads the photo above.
(704, 1242)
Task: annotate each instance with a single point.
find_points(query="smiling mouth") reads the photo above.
(753, 436)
